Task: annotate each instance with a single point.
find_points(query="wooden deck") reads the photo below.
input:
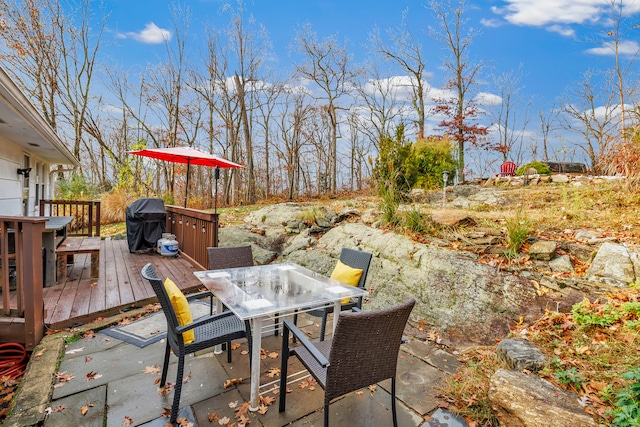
(81, 299)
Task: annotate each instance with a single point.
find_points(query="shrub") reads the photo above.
(627, 406)
(541, 168)
(430, 158)
(76, 188)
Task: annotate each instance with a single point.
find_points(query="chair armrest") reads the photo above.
(203, 320)
(356, 309)
(197, 295)
(306, 343)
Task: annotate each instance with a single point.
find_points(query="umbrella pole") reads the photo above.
(215, 207)
(186, 192)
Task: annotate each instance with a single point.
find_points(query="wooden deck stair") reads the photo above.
(119, 286)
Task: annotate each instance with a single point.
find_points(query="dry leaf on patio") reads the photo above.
(127, 421)
(242, 410)
(372, 388)
(233, 404)
(88, 359)
(124, 321)
(243, 352)
(166, 412)
(186, 378)
(228, 383)
(153, 369)
(224, 421)
(243, 421)
(59, 408)
(273, 355)
(85, 409)
(267, 400)
(235, 346)
(92, 376)
(63, 377)
(89, 334)
(166, 389)
(273, 372)
(184, 422)
(213, 417)
(309, 383)
(262, 409)
(263, 354)
(359, 393)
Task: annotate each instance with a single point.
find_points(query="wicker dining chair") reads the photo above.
(355, 259)
(221, 257)
(208, 331)
(363, 351)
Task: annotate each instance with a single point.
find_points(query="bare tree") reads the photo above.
(404, 50)
(327, 64)
(592, 116)
(512, 115)
(548, 123)
(460, 110)
(52, 60)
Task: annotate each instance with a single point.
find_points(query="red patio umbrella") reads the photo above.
(190, 156)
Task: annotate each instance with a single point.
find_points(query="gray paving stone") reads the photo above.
(110, 364)
(361, 410)
(443, 418)
(433, 355)
(91, 345)
(137, 396)
(71, 415)
(416, 383)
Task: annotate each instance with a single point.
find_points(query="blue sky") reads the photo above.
(554, 41)
(548, 37)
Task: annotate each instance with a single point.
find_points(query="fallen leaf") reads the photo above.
(84, 410)
(262, 409)
(59, 408)
(63, 377)
(228, 383)
(39, 354)
(359, 392)
(153, 369)
(267, 400)
(243, 421)
(88, 359)
(273, 355)
(242, 410)
(372, 388)
(89, 334)
(166, 413)
(186, 378)
(213, 417)
(224, 421)
(127, 421)
(74, 351)
(233, 404)
(235, 346)
(92, 376)
(243, 352)
(273, 372)
(165, 389)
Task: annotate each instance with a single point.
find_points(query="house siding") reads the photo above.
(11, 184)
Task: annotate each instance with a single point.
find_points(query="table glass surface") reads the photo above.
(252, 292)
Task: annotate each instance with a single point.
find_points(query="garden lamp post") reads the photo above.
(445, 178)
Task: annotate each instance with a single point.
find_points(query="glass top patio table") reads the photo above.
(260, 291)
(255, 293)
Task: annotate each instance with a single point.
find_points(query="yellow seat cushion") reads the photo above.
(181, 307)
(347, 275)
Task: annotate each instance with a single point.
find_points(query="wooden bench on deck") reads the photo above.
(77, 245)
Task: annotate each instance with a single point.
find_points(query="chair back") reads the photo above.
(230, 257)
(365, 347)
(508, 169)
(357, 259)
(149, 273)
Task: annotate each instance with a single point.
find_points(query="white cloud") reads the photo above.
(488, 99)
(152, 34)
(491, 23)
(563, 30)
(546, 12)
(626, 47)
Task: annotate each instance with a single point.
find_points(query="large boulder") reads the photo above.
(521, 400)
(613, 265)
(468, 301)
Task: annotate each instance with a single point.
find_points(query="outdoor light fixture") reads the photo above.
(24, 172)
(445, 178)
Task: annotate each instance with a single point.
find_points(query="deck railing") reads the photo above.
(86, 215)
(194, 230)
(22, 316)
